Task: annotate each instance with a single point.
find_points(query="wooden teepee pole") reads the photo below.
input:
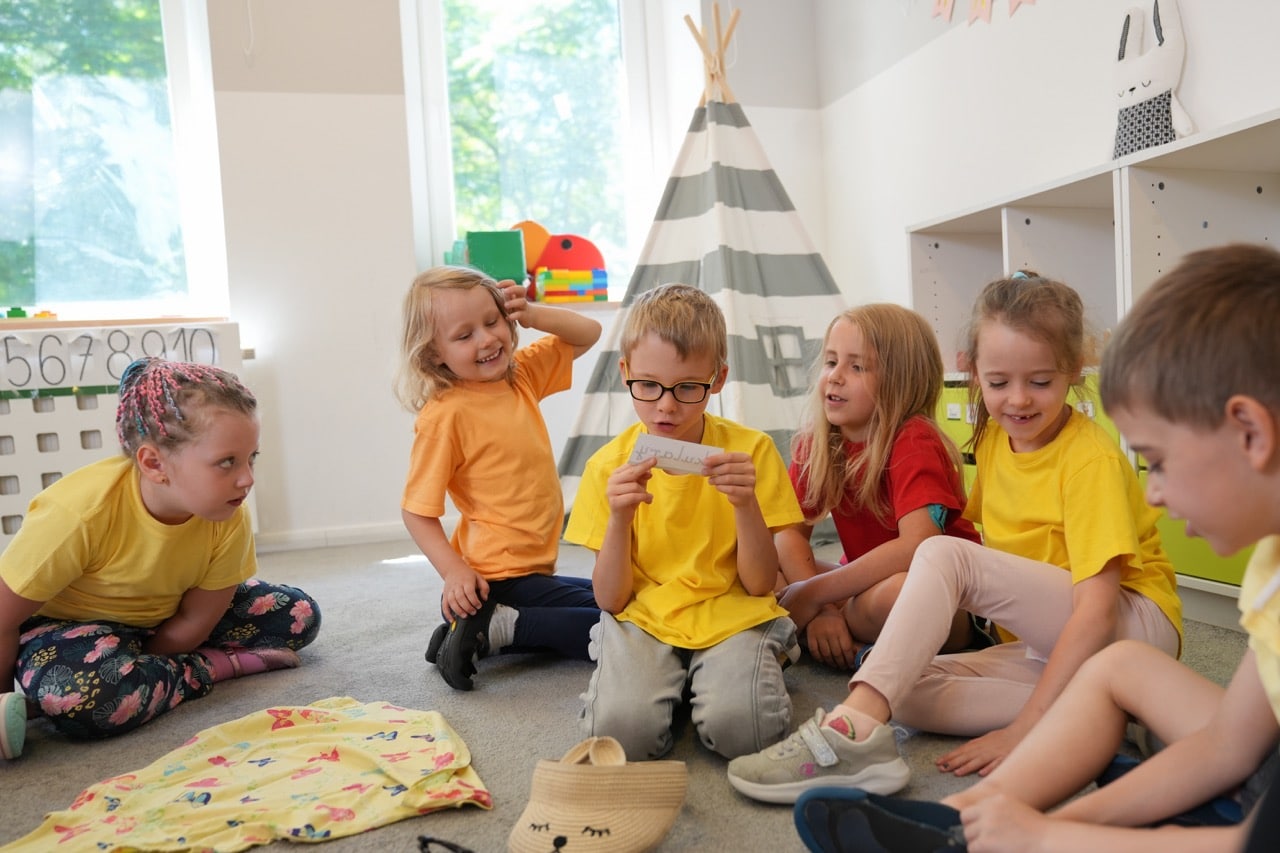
(715, 86)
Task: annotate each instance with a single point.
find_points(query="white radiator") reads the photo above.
(58, 383)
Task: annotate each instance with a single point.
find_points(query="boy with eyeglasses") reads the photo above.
(685, 563)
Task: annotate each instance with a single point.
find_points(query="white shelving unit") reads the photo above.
(1110, 232)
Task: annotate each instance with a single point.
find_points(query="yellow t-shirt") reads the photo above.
(89, 549)
(1075, 503)
(486, 445)
(684, 545)
(1260, 614)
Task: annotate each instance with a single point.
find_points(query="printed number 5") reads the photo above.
(10, 358)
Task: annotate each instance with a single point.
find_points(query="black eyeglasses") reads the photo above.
(648, 391)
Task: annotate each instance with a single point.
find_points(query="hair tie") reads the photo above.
(1020, 274)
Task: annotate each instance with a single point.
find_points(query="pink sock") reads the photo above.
(233, 663)
(848, 721)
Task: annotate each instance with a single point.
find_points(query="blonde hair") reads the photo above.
(1203, 332)
(681, 315)
(421, 376)
(904, 355)
(1040, 308)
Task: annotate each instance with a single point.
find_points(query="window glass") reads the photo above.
(88, 195)
(537, 103)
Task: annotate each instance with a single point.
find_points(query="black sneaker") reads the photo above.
(466, 641)
(437, 637)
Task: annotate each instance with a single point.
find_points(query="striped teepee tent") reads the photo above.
(726, 225)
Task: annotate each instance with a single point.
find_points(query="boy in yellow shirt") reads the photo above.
(685, 562)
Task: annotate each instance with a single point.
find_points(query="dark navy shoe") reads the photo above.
(850, 820)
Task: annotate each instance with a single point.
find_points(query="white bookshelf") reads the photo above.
(1110, 232)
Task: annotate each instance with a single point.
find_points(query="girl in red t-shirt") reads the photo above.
(872, 456)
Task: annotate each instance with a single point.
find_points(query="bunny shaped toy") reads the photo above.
(1150, 113)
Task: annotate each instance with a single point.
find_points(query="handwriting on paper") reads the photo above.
(674, 457)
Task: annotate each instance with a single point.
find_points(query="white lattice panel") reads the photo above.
(58, 394)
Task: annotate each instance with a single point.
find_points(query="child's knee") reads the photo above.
(645, 733)
(1115, 658)
(304, 617)
(938, 551)
(872, 607)
(734, 729)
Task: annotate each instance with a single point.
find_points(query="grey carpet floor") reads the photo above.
(380, 603)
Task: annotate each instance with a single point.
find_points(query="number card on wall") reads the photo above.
(35, 360)
(58, 393)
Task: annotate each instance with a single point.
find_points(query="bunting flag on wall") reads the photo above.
(979, 10)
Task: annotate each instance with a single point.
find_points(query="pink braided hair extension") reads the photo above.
(149, 392)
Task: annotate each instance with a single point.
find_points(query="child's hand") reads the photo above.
(982, 754)
(628, 486)
(830, 641)
(516, 300)
(733, 475)
(464, 592)
(799, 601)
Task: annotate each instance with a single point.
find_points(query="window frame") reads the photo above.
(654, 55)
(189, 62)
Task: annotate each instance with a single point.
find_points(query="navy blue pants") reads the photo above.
(556, 613)
(1264, 835)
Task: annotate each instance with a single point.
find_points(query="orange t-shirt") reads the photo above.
(486, 446)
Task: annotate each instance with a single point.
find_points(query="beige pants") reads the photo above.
(972, 693)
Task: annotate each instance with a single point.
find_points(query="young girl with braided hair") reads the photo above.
(129, 587)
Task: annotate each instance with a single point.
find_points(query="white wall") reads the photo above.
(315, 181)
(986, 111)
(312, 137)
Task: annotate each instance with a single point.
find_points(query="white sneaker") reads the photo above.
(817, 756)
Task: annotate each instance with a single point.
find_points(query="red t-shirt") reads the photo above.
(920, 472)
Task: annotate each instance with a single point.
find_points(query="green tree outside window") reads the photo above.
(88, 193)
(536, 102)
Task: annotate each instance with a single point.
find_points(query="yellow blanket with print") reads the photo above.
(308, 773)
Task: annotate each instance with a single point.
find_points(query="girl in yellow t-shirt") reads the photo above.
(129, 588)
(1192, 379)
(1071, 562)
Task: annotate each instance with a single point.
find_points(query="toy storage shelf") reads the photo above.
(58, 382)
(1110, 232)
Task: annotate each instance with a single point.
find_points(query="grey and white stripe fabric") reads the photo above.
(726, 225)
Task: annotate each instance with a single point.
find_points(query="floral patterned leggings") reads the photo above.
(93, 680)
